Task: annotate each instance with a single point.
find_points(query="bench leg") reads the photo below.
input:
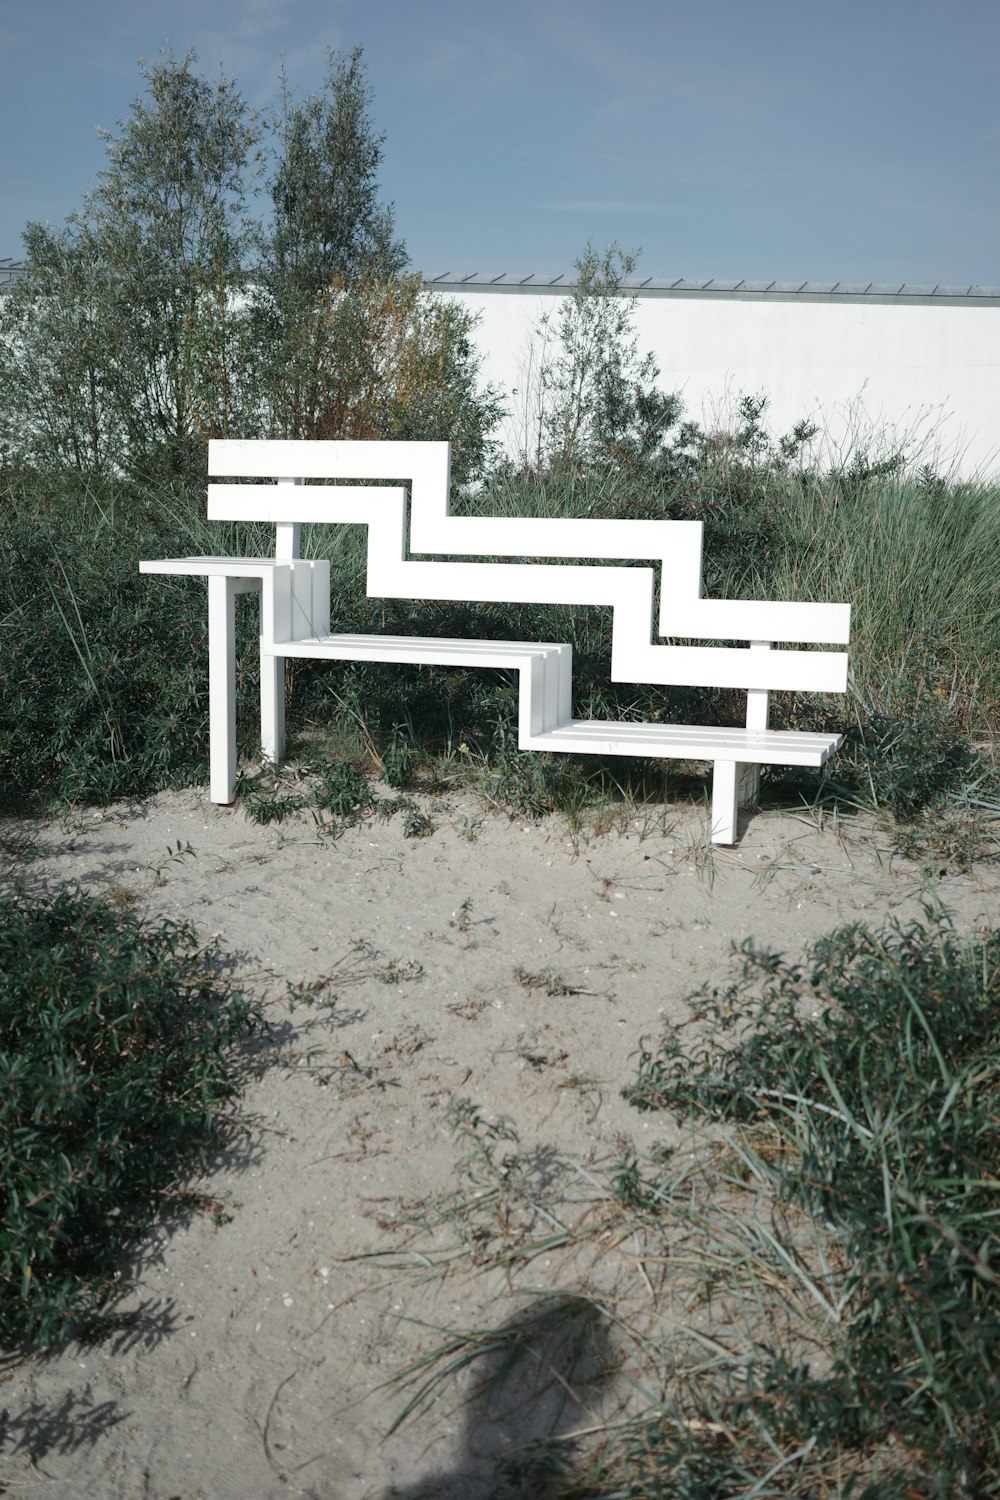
(222, 687)
(734, 785)
(724, 802)
(748, 786)
(222, 593)
(272, 707)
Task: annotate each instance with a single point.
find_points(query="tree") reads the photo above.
(348, 346)
(54, 409)
(328, 221)
(169, 216)
(125, 326)
(329, 231)
(399, 362)
(163, 315)
(597, 398)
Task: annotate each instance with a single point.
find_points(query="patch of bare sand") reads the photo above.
(498, 961)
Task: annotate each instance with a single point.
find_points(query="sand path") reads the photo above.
(504, 962)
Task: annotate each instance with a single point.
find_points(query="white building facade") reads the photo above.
(876, 368)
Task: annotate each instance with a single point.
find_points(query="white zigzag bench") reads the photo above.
(295, 610)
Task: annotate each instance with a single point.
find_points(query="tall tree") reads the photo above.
(597, 399)
(127, 321)
(163, 315)
(169, 214)
(328, 220)
(329, 231)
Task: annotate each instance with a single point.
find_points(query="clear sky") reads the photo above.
(784, 139)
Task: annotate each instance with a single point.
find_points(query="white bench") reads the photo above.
(295, 610)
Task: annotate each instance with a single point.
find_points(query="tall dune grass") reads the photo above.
(919, 561)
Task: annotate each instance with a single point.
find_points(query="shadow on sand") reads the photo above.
(538, 1379)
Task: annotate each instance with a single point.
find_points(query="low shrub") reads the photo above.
(116, 1070)
(872, 1073)
(103, 679)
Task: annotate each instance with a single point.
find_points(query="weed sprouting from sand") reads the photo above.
(18, 844)
(337, 789)
(462, 920)
(547, 980)
(175, 856)
(417, 825)
(360, 962)
(338, 794)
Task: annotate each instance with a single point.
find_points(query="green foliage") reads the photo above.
(918, 560)
(525, 781)
(398, 758)
(328, 233)
(328, 221)
(416, 824)
(875, 1068)
(103, 680)
(120, 346)
(163, 314)
(912, 750)
(595, 397)
(339, 790)
(375, 357)
(344, 790)
(116, 1064)
(264, 804)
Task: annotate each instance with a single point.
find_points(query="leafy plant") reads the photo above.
(344, 790)
(874, 1068)
(118, 1070)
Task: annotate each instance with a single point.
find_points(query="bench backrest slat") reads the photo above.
(397, 537)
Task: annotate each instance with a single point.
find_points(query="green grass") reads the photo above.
(919, 560)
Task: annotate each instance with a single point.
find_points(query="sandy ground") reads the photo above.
(504, 962)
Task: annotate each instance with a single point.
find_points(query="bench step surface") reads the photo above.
(690, 742)
(580, 736)
(415, 648)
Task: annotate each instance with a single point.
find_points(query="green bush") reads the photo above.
(873, 1069)
(103, 679)
(116, 1065)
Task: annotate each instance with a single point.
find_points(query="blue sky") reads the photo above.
(856, 142)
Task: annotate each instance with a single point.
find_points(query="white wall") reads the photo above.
(926, 376)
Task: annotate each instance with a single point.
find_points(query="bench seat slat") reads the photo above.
(778, 747)
(213, 567)
(433, 650)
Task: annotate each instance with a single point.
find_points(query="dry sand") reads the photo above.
(257, 1364)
